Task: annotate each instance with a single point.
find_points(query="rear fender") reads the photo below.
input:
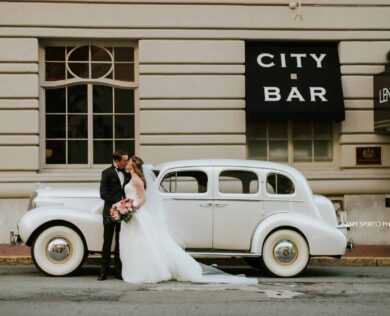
(322, 238)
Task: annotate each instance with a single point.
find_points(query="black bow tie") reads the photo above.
(120, 170)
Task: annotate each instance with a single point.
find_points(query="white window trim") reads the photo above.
(43, 167)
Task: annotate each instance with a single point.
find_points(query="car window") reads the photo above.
(238, 182)
(184, 182)
(279, 184)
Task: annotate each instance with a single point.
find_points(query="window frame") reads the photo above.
(275, 172)
(43, 84)
(218, 175)
(217, 195)
(185, 194)
(335, 131)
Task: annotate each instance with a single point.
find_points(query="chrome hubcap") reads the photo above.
(58, 249)
(285, 252)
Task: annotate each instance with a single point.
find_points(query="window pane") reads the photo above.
(257, 149)
(100, 70)
(322, 130)
(258, 130)
(102, 99)
(124, 53)
(102, 126)
(238, 182)
(102, 152)
(55, 126)
(322, 150)
(99, 54)
(77, 126)
(278, 150)
(124, 72)
(55, 100)
(184, 182)
(80, 69)
(124, 126)
(126, 145)
(69, 75)
(277, 129)
(279, 184)
(78, 151)
(55, 152)
(109, 76)
(271, 183)
(124, 101)
(80, 54)
(302, 130)
(302, 151)
(77, 99)
(55, 71)
(284, 185)
(55, 53)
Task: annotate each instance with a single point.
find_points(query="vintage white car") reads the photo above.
(262, 211)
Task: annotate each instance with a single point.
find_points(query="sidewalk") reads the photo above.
(361, 256)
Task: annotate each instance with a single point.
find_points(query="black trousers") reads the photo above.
(109, 229)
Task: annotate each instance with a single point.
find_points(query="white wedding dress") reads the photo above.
(149, 254)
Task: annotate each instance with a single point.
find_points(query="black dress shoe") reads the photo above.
(102, 277)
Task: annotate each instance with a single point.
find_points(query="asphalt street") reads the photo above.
(320, 291)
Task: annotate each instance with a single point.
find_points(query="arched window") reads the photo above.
(89, 103)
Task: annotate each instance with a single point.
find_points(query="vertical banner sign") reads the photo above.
(382, 102)
(293, 81)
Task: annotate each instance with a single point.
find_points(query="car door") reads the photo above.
(237, 207)
(187, 196)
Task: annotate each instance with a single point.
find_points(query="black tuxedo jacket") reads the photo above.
(111, 190)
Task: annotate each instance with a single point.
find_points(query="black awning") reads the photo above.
(293, 81)
(382, 101)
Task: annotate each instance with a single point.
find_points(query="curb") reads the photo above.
(314, 261)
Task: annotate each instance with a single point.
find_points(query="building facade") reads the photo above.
(278, 80)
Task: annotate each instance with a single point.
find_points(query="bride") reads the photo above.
(148, 252)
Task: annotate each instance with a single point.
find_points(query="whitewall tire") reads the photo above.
(58, 250)
(285, 253)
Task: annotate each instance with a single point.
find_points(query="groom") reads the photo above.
(112, 186)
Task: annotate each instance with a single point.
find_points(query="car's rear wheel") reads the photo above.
(58, 251)
(285, 253)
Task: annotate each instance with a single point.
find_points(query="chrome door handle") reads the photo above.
(205, 204)
(220, 204)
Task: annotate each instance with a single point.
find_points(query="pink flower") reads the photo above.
(123, 210)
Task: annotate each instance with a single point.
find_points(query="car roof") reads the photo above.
(228, 163)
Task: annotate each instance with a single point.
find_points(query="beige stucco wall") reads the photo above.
(191, 65)
(191, 92)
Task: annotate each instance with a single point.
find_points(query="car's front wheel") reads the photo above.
(285, 253)
(58, 250)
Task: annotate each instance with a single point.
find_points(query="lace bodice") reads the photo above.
(131, 191)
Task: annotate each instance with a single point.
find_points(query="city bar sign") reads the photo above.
(293, 81)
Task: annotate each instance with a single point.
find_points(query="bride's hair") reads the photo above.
(137, 163)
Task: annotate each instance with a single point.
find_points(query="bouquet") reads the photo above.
(122, 210)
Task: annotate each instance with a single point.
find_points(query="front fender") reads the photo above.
(90, 224)
(323, 239)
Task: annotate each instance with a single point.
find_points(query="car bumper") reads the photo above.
(345, 228)
(15, 239)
